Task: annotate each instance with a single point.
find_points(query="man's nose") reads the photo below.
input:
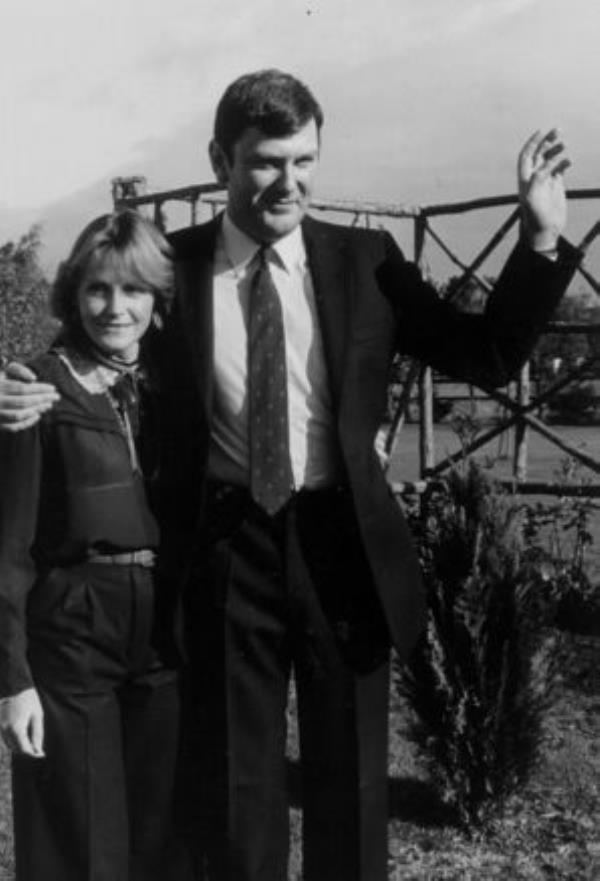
(287, 178)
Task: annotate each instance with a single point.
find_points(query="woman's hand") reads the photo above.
(22, 723)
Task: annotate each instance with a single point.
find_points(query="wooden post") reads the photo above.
(426, 441)
(523, 393)
(159, 219)
(131, 187)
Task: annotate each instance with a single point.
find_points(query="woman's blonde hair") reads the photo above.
(132, 243)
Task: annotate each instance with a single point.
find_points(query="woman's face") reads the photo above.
(115, 311)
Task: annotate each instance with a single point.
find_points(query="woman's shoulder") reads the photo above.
(83, 396)
(56, 367)
(49, 367)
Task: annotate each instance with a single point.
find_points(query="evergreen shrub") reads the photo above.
(481, 678)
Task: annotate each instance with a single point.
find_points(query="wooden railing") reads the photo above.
(517, 403)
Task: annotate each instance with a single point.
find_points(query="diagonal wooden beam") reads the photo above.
(493, 243)
(456, 260)
(589, 237)
(519, 411)
(537, 425)
(589, 278)
(470, 270)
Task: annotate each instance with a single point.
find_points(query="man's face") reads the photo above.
(269, 180)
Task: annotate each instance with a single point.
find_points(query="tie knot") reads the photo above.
(264, 254)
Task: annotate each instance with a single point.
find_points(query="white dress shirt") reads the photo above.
(313, 449)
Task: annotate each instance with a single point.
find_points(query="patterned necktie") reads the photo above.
(270, 465)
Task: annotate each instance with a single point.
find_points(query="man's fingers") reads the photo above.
(11, 406)
(16, 413)
(532, 143)
(22, 389)
(551, 152)
(14, 370)
(528, 150)
(16, 427)
(538, 150)
(553, 168)
(9, 414)
(22, 403)
(21, 426)
(545, 144)
(555, 161)
(560, 167)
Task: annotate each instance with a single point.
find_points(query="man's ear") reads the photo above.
(219, 162)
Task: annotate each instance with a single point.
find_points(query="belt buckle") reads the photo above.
(143, 557)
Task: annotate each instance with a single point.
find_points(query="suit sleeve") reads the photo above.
(20, 469)
(486, 349)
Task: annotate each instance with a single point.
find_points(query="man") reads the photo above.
(275, 365)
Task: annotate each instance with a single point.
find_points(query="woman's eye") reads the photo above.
(96, 288)
(135, 289)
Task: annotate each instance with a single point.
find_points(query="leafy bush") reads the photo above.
(560, 536)
(481, 678)
(576, 406)
(25, 325)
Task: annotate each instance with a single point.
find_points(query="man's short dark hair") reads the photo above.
(275, 102)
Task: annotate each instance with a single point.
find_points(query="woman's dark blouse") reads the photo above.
(68, 489)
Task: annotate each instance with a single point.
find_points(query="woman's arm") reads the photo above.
(20, 477)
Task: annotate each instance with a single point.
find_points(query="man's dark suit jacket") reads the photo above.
(371, 303)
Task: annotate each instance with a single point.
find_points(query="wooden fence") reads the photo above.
(518, 403)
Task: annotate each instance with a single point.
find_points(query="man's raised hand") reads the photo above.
(540, 168)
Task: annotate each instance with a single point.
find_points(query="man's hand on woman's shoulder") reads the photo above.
(22, 398)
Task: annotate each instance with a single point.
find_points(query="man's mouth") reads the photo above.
(282, 203)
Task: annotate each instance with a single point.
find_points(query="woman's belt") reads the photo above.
(144, 557)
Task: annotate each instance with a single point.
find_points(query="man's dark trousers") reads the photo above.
(283, 592)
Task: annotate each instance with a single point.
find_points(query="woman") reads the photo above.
(89, 709)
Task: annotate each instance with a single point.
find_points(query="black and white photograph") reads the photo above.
(300, 440)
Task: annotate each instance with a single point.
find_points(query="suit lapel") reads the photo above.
(195, 274)
(332, 282)
(332, 286)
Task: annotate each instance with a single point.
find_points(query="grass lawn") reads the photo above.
(544, 458)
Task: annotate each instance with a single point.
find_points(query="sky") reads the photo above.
(425, 100)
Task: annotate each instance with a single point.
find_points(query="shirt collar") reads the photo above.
(241, 249)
